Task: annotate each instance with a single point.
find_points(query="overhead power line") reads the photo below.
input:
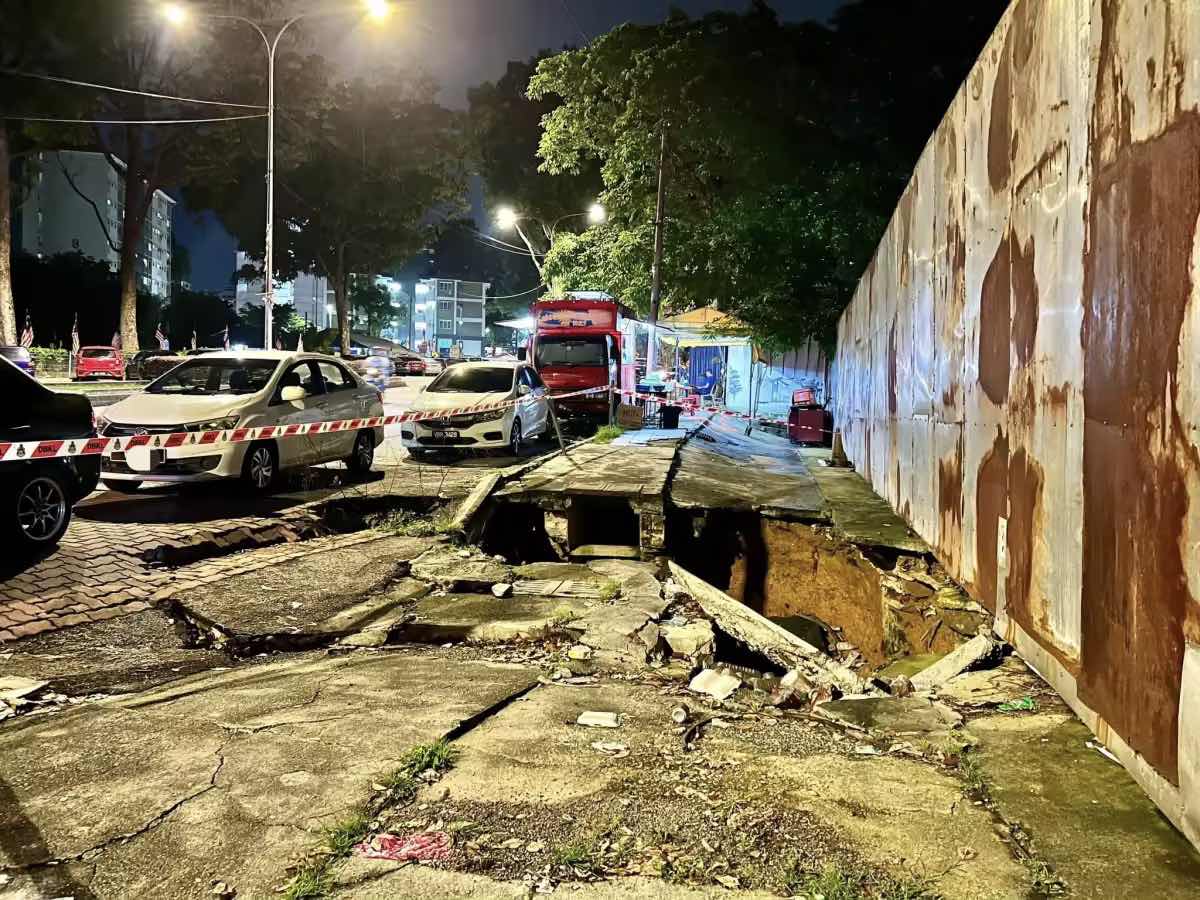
(133, 121)
(522, 250)
(120, 90)
(524, 253)
(522, 294)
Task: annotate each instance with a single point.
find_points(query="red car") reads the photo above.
(93, 362)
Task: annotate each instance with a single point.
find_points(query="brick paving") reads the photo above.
(105, 569)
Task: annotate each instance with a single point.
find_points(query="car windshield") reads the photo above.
(96, 352)
(200, 377)
(573, 351)
(15, 353)
(473, 380)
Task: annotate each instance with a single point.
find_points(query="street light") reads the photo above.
(176, 14)
(597, 214)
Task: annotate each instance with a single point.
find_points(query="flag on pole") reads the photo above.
(75, 335)
(278, 343)
(160, 337)
(226, 339)
(116, 341)
(27, 334)
(193, 338)
(300, 343)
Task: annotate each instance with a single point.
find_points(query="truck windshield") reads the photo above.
(570, 351)
(474, 380)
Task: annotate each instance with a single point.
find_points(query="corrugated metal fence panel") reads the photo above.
(1020, 367)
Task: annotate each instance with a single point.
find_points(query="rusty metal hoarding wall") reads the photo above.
(1019, 370)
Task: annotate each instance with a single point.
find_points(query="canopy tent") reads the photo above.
(724, 361)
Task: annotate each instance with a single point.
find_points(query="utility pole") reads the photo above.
(656, 269)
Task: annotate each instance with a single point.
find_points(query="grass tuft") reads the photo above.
(609, 590)
(406, 523)
(837, 883)
(606, 434)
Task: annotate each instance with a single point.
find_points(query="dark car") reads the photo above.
(36, 495)
(21, 358)
(146, 365)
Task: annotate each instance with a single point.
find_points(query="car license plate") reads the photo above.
(445, 435)
(144, 459)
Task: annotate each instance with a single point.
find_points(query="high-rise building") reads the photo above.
(449, 313)
(53, 217)
(309, 294)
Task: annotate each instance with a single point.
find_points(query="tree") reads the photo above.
(206, 315)
(36, 35)
(387, 162)
(782, 166)
(505, 129)
(372, 304)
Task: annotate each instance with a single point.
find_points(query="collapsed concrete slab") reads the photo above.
(487, 619)
(972, 653)
(303, 602)
(460, 570)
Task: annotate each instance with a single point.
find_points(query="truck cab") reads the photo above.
(576, 344)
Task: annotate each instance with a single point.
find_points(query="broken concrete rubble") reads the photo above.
(715, 684)
(454, 571)
(972, 653)
(693, 640)
(764, 636)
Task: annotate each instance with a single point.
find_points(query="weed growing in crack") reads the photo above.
(972, 772)
(838, 883)
(609, 590)
(438, 756)
(578, 853)
(406, 523)
(315, 878)
(606, 434)
(1042, 880)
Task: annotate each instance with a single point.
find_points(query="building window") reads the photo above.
(445, 326)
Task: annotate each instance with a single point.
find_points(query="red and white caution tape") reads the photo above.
(62, 447)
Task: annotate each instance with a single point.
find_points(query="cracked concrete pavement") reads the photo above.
(226, 775)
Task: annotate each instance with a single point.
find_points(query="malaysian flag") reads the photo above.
(300, 344)
(27, 334)
(193, 338)
(75, 335)
(116, 341)
(278, 342)
(226, 339)
(160, 337)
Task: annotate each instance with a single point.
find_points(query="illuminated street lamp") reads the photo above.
(177, 15)
(596, 214)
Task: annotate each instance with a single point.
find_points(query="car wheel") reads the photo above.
(40, 510)
(360, 460)
(514, 439)
(260, 469)
(122, 487)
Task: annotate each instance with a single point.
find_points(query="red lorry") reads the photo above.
(577, 344)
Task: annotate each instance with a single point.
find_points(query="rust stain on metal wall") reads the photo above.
(1059, 477)
(1137, 285)
(1024, 301)
(995, 324)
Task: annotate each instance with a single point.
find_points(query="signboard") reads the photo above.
(629, 416)
(595, 317)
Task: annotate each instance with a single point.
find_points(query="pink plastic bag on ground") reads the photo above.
(427, 846)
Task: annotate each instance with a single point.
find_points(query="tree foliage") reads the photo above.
(784, 159)
(505, 127)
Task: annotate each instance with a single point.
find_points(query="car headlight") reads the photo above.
(478, 418)
(226, 424)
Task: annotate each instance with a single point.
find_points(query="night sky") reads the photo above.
(462, 43)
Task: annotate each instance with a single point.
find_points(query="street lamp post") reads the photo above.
(176, 15)
(508, 219)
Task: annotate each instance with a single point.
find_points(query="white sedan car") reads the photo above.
(477, 384)
(248, 389)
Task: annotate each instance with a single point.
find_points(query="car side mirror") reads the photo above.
(522, 389)
(293, 393)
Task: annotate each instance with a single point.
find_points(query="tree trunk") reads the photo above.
(136, 206)
(8, 313)
(660, 212)
(342, 299)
